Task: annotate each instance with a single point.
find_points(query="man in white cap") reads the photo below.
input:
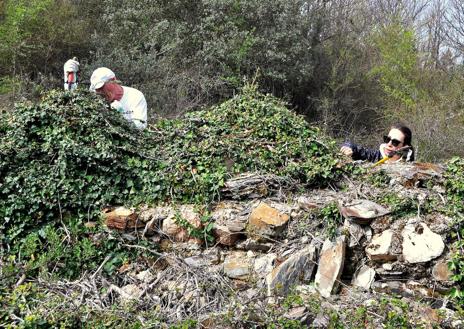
(71, 70)
(128, 101)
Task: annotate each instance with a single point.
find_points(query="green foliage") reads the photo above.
(286, 324)
(186, 324)
(55, 160)
(71, 154)
(378, 178)
(34, 34)
(398, 66)
(185, 54)
(205, 233)
(400, 206)
(454, 183)
(331, 217)
(7, 85)
(292, 300)
(397, 316)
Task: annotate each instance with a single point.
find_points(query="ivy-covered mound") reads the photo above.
(70, 154)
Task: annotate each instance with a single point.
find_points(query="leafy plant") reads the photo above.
(331, 217)
(454, 183)
(70, 154)
(204, 232)
(400, 206)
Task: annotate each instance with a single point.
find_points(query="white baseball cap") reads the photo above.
(100, 76)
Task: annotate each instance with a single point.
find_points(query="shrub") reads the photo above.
(70, 154)
(454, 183)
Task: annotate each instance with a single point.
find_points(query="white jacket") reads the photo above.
(133, 107)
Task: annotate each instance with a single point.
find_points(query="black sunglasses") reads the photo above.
(395, 142)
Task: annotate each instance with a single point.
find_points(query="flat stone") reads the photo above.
(264, 265)
(356, 233)
(295, 270)
(296, 313)
(362, 211)
(130, 292)
(225, 236)
(420, 244)
(156, 214)
(237, 265)
(330, 266)
(205, 259)
(379, 249)
(172, 228)
(232, 215)
(441, 271)
(266, 222)
(389, 287)
(145, 276)
(316, 200)
(251, 244)
(121, 218)
(364, 277)
(409, 174)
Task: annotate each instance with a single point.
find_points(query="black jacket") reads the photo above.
(364, 153)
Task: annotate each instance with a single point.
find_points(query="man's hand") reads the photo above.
(346, 150)
(71, 65)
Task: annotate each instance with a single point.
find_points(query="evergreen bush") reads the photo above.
(71, 154)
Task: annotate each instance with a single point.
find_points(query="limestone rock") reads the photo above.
(251, 244)
(411, 174)
(172, 228)
(364, 277)
(266, 222)
(209, 257)
(441, 271)
(362, 211)
(237, 265)
(232, 215)
(296, 313)
(129, 292)
(420, 244)
(158, 213)
(379, 249)
(121, 218)
(263, 265)
(330, 266)
(356, 233)
(145, 276)
(225, 236)
(296, 269)
(316, 200)
(406, 289)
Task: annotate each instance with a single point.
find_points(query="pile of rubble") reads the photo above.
(269, 246)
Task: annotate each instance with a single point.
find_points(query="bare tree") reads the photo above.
(432, 33)
(455, 25)
(407, 12)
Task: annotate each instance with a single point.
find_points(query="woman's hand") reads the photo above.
(346, 150)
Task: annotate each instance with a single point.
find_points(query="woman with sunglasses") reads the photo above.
(398, 139)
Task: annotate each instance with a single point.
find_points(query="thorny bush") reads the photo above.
(70, 155)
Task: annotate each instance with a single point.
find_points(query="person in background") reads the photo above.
(71, 71)
(399, 137)
(128, 101)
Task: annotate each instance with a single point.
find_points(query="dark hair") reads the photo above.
(406, 132)
(407, 140)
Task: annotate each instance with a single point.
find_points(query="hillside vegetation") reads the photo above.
(67, 157)
(353, 72)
